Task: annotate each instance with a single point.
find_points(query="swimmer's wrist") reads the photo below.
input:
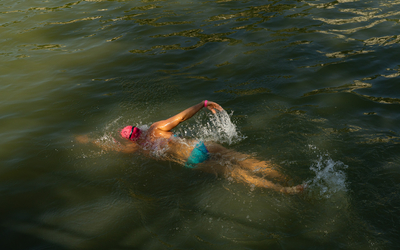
(205, 103)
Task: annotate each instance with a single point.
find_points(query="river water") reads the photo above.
(312, 86)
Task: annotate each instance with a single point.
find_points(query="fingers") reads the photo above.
(213, 106)
(217, 106)
(212, 109)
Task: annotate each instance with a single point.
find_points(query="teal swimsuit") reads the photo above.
(198, 155)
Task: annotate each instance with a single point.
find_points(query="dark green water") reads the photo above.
(313, 87)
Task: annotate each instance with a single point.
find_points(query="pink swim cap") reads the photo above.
(131, 133)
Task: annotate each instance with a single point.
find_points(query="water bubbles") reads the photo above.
(329, 177)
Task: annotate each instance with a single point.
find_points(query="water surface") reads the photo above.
(310, 85)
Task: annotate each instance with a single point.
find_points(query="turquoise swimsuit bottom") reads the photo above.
(198, 155)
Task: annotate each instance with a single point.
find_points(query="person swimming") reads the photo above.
(205, 156)
(198, 155)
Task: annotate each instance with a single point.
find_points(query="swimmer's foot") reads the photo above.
(294, 190)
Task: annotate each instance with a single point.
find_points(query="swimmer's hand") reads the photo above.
(82, 139)
(212, 106)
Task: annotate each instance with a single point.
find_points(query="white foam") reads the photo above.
(329, 176)
(214, 127)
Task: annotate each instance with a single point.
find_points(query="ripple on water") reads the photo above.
(317, 72)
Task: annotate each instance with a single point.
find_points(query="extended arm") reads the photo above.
(124, 147)
(172, 122)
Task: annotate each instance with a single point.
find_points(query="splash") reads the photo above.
(215, 127)
(329, 176)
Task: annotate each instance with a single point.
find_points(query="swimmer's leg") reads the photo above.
(263, 167)
(246, 161)
(244, 176)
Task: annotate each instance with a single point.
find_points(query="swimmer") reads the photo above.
(205, 156)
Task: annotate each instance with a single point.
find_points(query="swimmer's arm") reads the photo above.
(125, 147)
(172, 122)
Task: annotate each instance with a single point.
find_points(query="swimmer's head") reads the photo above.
(131, 133)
